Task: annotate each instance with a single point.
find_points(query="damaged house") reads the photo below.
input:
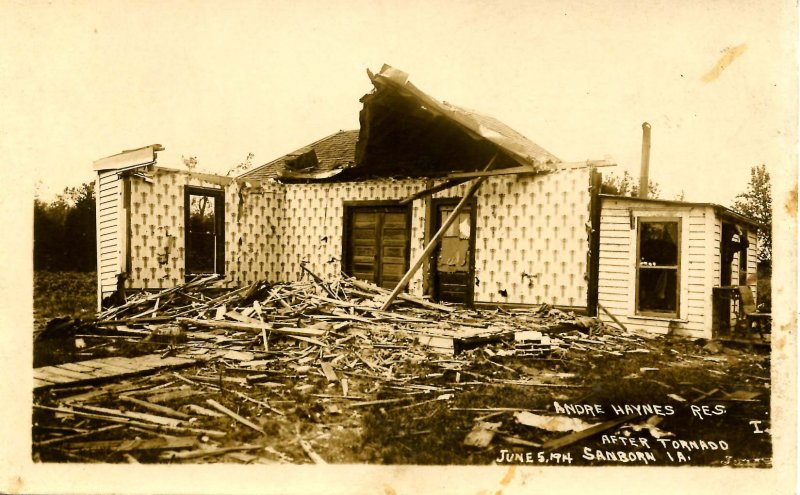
(521, 227)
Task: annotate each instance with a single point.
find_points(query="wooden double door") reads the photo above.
(377, 242)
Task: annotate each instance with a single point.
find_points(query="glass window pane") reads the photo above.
(201, 213)
(658, 289)
(464, 225)
(452, 230)
(658, 244)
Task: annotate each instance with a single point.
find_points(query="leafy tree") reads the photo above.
(242, 166)
(756, 203)
(48, 232)
(627, 185)
(64, 231)
(80, 229)
(190, 162)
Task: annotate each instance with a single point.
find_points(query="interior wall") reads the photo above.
(531, 240)
(531, 231)
(157, 234)
(313, 225)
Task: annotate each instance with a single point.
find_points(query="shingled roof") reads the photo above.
(320, 159)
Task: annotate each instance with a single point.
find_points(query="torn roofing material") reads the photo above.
(395, 101)
(319, 160)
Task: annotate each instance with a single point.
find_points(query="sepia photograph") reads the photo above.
(400, 247)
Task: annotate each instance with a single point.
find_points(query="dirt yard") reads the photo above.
(354, 385)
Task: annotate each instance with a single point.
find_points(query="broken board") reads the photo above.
(101, 369)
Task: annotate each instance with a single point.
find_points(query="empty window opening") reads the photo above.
(658, 267)
(205, 212)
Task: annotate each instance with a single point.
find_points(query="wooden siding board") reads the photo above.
(616, 260)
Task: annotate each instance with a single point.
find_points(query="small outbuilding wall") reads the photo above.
(623, 264)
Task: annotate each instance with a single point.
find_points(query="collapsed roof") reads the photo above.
(411, 133)
(407, 133)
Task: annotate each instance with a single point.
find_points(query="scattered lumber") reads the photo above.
(265, 355)
(481, 434)
(166, 411)
(219, 407)
(316, 458)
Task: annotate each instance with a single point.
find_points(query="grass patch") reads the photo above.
(72, 294)
(56, 295)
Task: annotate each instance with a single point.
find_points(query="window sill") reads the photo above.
(657, 318)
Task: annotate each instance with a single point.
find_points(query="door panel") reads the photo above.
(377, 240)
(453, 263)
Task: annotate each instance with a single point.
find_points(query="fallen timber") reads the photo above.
(318, 352)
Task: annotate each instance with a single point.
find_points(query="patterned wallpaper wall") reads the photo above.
(157, 228)
(532, 239)
(531, 231)
(314, 222)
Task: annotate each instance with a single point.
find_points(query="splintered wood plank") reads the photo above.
(123, 363)
(77, 367)
(76, 375)
(48, 375)
(37, 383)
(158, 443)
(481, 434)
(173, 395)
(105, 368)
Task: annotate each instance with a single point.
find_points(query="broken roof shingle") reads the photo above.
(332, 152)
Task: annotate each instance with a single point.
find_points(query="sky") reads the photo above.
(84, 80)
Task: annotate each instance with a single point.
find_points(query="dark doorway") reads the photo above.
(734, 241)
(453, 262)
(377, 242)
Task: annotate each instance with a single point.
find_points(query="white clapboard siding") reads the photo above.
(752, 259)
(108, 203)
(617, 284)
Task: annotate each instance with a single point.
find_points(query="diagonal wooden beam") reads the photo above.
(437, 237)
(522, 169)
(529, 169)
(432, 190)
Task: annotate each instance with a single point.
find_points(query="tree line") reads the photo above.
(64, 231)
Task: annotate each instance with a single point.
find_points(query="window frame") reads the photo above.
(638, 266)
(219, 228)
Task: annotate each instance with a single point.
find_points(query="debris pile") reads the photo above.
(269, 372)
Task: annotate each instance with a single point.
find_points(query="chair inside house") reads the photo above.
(749, 317)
